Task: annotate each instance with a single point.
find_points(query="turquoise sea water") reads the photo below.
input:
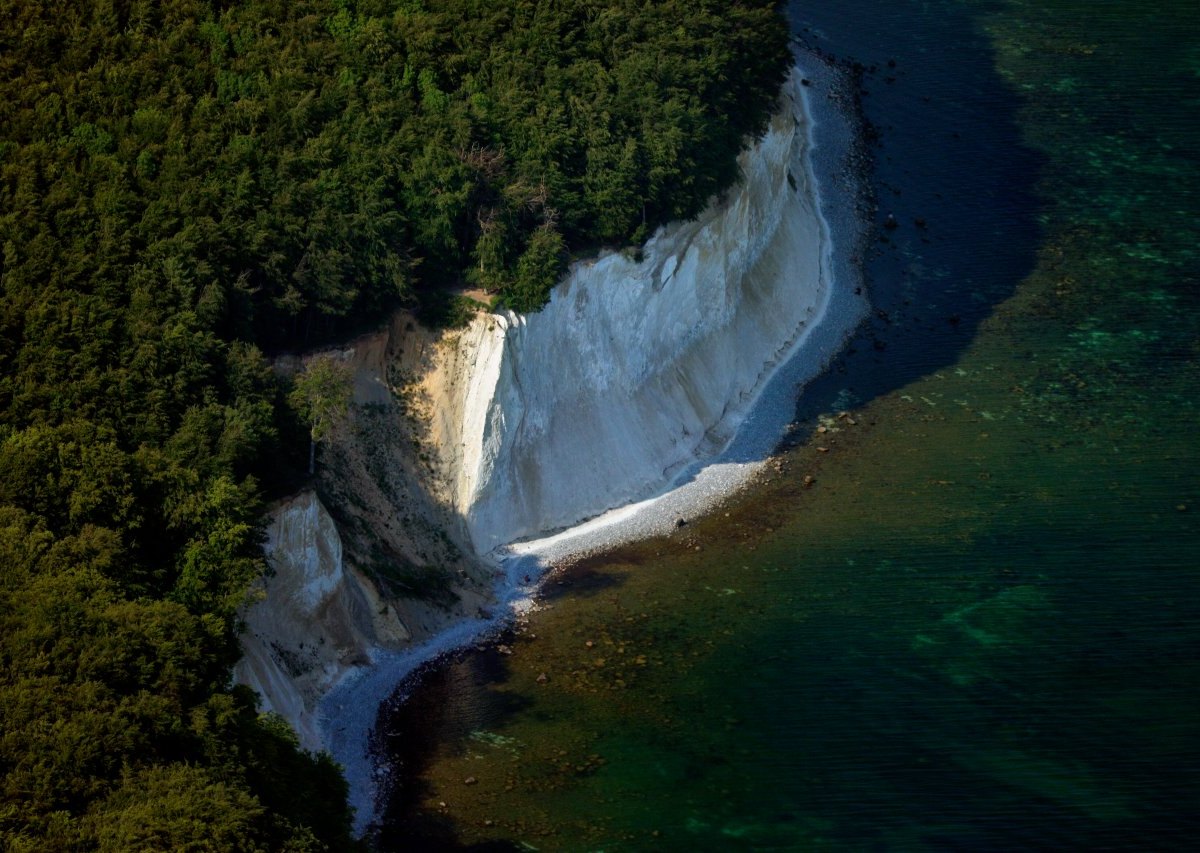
(977, 626)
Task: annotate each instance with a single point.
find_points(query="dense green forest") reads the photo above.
(185, 185)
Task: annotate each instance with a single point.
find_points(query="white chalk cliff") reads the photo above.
(517, 426)
(636, 369)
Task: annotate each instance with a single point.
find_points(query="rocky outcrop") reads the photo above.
(314, 619)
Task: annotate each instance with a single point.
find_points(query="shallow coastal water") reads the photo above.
(975, 626)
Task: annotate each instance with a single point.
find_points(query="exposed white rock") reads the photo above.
(316, 619)
(637, 369)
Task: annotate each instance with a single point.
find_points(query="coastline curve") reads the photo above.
(723, 429)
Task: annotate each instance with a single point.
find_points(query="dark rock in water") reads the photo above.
(681, 522)
(890, 223)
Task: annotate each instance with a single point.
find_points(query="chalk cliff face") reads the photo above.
(520, 425)
(636, 368)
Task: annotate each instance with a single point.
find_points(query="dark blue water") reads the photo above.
(949, 167)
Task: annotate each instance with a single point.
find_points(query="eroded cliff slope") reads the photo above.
(373, 558)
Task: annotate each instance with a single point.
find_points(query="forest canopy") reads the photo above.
(186, 185)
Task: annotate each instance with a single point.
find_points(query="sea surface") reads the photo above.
(961, 609)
